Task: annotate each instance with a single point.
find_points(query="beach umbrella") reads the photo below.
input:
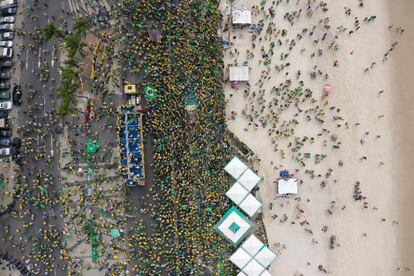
(115, 233)
(327, 89)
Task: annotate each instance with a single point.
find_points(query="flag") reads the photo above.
(150, 92)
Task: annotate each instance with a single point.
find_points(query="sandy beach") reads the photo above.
(363, 131)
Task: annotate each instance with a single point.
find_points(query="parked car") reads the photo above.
(5, 75)
(4, 151)
(6, 52)
(5, 95)
(5, 142)
(17, 95)
(6, 27)
(7, 36)
(8, 10)
(5, 133)
(6, 105)
(8, 3)
(6, 43)
(6, 64)
(4, 85)
(4, 122)
(7, 19)
(4, 114)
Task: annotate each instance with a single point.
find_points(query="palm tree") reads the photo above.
(74, 45)
(81, 26)
(69, 75)
(51, 31)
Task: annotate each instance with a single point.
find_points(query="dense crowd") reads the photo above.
(190, 152)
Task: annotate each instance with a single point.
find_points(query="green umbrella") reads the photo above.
(115, 233)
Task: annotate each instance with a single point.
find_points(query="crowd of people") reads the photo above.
(189, 147)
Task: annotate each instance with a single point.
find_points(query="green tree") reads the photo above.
(74, 45)
(81, 26)
(51, 31)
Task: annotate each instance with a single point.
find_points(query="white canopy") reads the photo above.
(289, 186)
(253, 268)
(240, 258)
(239, 73)
(237, 193)
(266, 273)
(235, 167)
(241, 273)
(242, 16)
(265, 256)
(234, 225)
(249, 179)
(250, 205)
(252, 245)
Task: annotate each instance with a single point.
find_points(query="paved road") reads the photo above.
(39, 110)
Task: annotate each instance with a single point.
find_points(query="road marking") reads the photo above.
(71, 6)
(27, 58)
(51, 145)
(40, 52)
(44, 106)
(53, 58)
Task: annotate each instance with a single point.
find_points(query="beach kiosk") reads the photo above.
(241, 16)
(239, 73)
(287, 186)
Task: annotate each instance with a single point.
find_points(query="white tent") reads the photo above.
(242, 16)
(239, 73)
(249, 179)
(252, 245)
(240, 258)
(235, 167)
(289, 186)
(266, 273)
(241, 273)
(250, 205)
(253, 268)
(234, 226)
(265, 256)
(237, 193)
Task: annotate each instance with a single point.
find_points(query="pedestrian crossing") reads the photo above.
(86, 7)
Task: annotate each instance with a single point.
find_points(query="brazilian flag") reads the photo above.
(150, 92)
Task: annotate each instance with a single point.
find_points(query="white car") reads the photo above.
(7, 19)
(7, 44)
(7, 36)
(6, 105)
(4, 151)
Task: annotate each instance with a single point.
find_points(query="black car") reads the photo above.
(5, 142)
(5, 133)
(5, 95)
(6, 64)
(4, 114)
(4, 85)
(8, 11)
(17, 95)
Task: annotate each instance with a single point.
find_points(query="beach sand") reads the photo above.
(388, 186)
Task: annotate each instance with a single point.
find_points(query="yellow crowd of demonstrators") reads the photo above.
(189, 148)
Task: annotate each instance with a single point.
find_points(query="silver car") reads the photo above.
(6, 27)
(7, 19)
(7, 44)
(4, 151)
